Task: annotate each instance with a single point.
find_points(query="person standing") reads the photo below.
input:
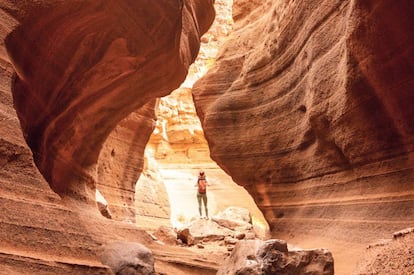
(202, 193)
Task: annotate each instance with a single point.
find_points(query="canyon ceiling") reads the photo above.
(309, 106)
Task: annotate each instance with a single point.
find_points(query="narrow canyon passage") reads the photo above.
(175, 153)
(177, 149)
(308, 105)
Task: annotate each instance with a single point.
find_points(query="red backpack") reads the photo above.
(202, 185)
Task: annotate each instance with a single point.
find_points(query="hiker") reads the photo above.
(202, 192)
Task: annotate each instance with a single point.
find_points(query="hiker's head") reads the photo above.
(201, 173)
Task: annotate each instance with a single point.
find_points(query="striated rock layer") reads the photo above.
(314, 118)
(83, 66)
(71, 72)
(121, 161)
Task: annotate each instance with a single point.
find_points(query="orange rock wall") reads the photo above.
(83, 66)
(71, 72)
(121, 161)
(309, 106)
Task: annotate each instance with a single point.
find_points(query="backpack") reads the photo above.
(202, 184)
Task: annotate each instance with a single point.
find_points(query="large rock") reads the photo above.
(166, 234)
(234, 218)
(203, 230)
(127, 258)
(314, 118)
(255, 257)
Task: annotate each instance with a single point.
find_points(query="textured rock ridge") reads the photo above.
(392, 256)
(121, 161)
(257, 257)
(83, 66)
(38, 233)
(69, 55)
(314, 118)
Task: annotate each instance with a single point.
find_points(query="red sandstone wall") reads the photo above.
(70, 71)
(310, 107)
(83, 66)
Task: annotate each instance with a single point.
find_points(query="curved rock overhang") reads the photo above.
(83, 66)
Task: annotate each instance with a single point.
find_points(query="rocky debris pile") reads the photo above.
(226, 228)
(128, 258)
(259, 257)
(247, 254)
(390, 256)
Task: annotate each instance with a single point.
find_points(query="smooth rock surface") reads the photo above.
(84, 66)
(314, 118)
(126, 258)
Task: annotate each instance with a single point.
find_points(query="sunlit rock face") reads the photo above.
(309, 106)
(83, 66)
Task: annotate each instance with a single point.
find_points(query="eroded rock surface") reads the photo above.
(272, 257)
(314, 118)
(390, 256)
(128, 258)
(84, 66)
(72, 71)
(121, 161)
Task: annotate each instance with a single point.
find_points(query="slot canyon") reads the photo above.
(299, 112)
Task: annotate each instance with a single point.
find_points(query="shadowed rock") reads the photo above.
(82, 66)
(128, 258)
(272, 257)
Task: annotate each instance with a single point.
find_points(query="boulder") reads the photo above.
(128, 258)
(272, 257)
(185, 236)
(166, 235)
(203, 230)
(234, 218)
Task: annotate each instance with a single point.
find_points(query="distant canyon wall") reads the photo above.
(309, 106)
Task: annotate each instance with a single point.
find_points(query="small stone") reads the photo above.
(240, 235)
(230, 240)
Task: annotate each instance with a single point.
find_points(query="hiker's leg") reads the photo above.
(205, 203)
(199, 203)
